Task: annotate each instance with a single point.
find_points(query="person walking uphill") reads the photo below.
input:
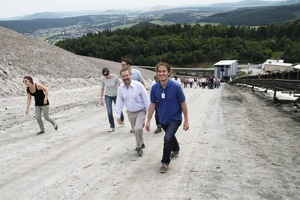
(109, 86)
(40, 93)
(134, 73)
(134, 96)
(169, 97)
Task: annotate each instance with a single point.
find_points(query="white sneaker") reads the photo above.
(110, 130)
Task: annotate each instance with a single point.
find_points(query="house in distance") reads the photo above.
(225, 69)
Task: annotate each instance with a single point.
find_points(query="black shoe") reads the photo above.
(41, 132)
(139, 151)
(158, 130)
(142, 147)
(55, 127)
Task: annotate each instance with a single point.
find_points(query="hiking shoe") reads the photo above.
(55, 127)
(131, 131)
(139, 151)
(142, 147)
(163, 168)
(158, 130)
(41, 132)
(111, 130)
(174, 154)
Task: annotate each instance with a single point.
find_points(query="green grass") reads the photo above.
(277, 55)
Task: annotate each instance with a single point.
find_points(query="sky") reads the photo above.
(15, 8)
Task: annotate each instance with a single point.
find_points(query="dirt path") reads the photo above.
(238, 147)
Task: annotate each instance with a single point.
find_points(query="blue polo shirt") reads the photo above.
(169, 101)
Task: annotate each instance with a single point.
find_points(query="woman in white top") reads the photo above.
(109, 87)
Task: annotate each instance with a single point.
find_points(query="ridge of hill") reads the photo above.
(52, 27)
(256, 16)
(48, 64)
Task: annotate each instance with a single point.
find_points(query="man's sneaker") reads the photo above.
(163, 168)
(139, 151)
(174, 154)
(158, 130)
(55, 127)
(142, 147)
(111, 130)
(41, 132)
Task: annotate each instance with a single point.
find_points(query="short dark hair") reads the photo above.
(28, 78)
(105, 70)
(127, 60)
(123, 70)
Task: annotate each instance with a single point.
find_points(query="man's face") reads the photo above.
(125, 75)
(125, 65)
(162, 72)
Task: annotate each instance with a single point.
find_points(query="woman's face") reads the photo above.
(26, 81)
(106, 74)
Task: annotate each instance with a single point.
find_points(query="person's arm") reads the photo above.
(141, 79)
(186, 125)
(149, 116)
(28, 103)
(45, 90)
(101, 95)
(119, 105)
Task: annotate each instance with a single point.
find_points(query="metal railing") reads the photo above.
(291, 86)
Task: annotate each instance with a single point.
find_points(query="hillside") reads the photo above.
(59, 69)
(53, 27)
(253, 16)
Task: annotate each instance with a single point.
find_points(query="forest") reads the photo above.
(191, 44)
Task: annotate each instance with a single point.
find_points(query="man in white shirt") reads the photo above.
(134, 73)
(177, 79)
(134, 96)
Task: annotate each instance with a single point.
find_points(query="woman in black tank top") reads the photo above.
(40, 93)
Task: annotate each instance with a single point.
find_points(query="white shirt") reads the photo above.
(178, 80)
(134, 97)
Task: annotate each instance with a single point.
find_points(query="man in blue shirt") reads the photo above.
(171, 104)
(134, 73)
(134, 96)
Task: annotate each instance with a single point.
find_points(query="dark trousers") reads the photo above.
(157, 117)
(170, 141)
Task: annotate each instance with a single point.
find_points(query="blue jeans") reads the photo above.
(108, 102)
(170, 141)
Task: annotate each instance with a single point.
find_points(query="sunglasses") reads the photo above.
(25, 81)
(105, 74)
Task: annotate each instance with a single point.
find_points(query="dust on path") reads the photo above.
(232, 151)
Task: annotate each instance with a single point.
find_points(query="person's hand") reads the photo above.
(101, 102)
(147, 126)
(186, 126)
(27, 112)
(45, 101)
(119, 121)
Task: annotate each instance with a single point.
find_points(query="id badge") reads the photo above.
(163, 95)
